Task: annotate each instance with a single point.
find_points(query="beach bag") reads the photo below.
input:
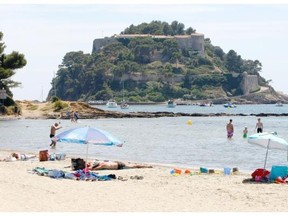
(77, 163)
(43, 155)
(260, 174)
(60, 156)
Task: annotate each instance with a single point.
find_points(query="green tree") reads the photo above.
(8, 64)
(219, 52)
(170, 49)
(71, 76)
(167, 30)
(252, 67)
(233, 62)
(190, 30)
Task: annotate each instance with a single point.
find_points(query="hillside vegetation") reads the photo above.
(140, 69)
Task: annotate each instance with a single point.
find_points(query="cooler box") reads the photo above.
(276, 171)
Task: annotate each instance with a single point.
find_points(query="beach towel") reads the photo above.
(82, 175)
(56, 173)
(41, 171)
(77, 175)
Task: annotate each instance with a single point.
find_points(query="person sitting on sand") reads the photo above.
(113, 165)
(18, 156)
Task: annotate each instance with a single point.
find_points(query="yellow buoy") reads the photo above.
(189, 122)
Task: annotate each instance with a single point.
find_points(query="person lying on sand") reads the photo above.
(113, 165)
(18, 156)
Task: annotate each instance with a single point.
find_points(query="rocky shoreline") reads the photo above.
(34, 110)
(169, 114)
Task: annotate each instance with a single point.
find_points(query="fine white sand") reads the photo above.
(158, 191)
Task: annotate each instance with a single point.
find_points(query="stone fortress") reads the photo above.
(249, 83)
(193, 42)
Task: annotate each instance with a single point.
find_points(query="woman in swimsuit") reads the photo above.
(113, 165)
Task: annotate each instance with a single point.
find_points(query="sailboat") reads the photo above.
(123, 104)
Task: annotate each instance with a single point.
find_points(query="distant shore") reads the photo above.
(45, 110)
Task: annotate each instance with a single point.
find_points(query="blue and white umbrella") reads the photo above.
(269, 141)
(88, 135)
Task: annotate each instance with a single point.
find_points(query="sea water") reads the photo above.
(240, 109)
(186, 142)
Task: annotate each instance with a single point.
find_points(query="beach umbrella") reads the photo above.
(268, 140)
(87, 135)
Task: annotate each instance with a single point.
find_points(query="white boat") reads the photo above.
(230, 105)
(111, 104)
(124, 105)
(171, 104)
(279, 104)
(206, 104)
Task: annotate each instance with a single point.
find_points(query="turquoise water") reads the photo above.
(167, 140)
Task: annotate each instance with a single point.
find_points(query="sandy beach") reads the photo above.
(158, 191)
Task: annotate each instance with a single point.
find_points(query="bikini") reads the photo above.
(121, 165)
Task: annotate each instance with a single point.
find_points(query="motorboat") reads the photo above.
(111, 104)
(279, 104)
(230, 105)
(171, 104)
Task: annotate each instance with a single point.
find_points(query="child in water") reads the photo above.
(245, 132)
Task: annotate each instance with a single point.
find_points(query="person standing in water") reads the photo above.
(230, 129)
(259, 126)
(53, 129)
(245, 132)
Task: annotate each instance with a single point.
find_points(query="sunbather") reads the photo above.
(113, 165)
(18, 156)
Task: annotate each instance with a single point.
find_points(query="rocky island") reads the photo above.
(47, 110)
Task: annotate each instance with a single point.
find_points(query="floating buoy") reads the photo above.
(189, 122)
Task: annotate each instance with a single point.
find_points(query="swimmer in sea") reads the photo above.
(230, 129)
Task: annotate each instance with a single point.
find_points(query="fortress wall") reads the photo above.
(198, 43)
(249, 83)
(101, 42)
(193, 41)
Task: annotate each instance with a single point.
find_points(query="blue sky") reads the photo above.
(46, 32)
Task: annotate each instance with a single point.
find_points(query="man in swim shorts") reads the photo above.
(259, 126)
(113, 165)
(230, 129)
(53, 129)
